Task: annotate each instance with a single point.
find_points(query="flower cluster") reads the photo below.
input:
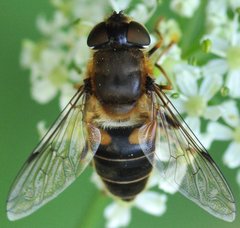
(206, 94)
(223, 29)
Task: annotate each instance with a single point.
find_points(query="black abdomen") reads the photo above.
(122, 165)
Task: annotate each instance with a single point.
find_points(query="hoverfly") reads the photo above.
(121, 121)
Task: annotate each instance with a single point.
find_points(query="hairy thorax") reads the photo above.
(118, 88)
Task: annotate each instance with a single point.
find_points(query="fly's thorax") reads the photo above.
(117, 78)
(96, 113)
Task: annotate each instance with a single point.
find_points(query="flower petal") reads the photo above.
(230, 113)
(167, 186)
(49, 60)
(179, 103)
(219, 131)
(43, 91)
(184, 68)
(97, 181)
(27, 55)
(215, 66)
(219, 45)
(151, 202)
(88, 10)
(153, 179)
(212, 112)
(48, 27)
(210, 86)
(186, 82)
(233, 83)
(67, 92)
(232, 155)
(117, 215)
(193, 123)
(206, 139)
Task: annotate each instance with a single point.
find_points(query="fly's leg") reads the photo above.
(160, 38)
(168, 86)
(158, 45)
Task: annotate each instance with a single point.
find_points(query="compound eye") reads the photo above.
(98, 35)
(137, 34)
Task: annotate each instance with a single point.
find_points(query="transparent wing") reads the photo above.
(60, 157)
(182, 160)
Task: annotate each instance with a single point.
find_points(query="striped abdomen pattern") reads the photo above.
(121, 164)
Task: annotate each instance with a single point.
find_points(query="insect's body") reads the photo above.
(118, 78)
(122, 122)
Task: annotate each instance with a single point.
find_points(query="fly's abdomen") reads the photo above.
(121, 164)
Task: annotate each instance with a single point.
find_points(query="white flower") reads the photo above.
(97, 181)
(59, 60)
(226, 45)
(229, 64)
(193, 99)
(231, 156)
(196, 90)
(67, 92)
(118, 213)
(231, 116)
(184, 8)
(43, 91)
(151, 203)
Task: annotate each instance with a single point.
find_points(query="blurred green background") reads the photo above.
(81, 205)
